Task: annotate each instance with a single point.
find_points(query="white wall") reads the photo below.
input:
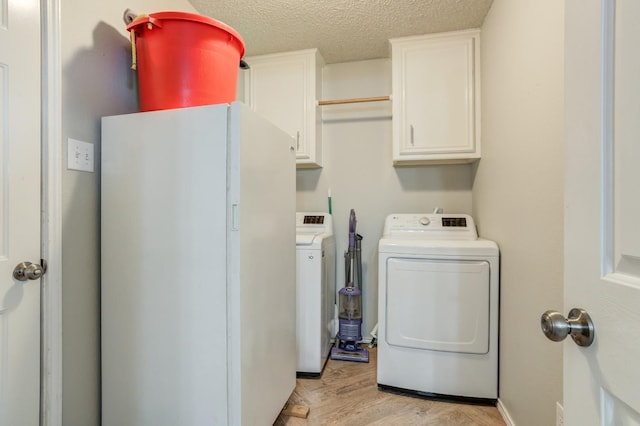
(359, 172)
(518, 194)
(96, 81)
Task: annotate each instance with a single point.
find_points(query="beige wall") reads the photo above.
(358, 170)
(518, 194)
(96, 81)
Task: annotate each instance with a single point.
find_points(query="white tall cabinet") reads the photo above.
(284, 88)
(436, 98)
(198, 268)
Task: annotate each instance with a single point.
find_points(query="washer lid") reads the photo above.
(438, 305)
(305, 238)
(413, 246)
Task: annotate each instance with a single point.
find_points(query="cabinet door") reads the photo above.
(436, 98)
(282, 88)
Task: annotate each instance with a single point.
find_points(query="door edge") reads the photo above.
(51, 219)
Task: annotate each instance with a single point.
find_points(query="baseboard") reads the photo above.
(504, 413)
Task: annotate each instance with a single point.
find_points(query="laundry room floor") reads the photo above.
(347, 394)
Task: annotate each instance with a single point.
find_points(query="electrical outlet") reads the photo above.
(79, 155)
(559, 414)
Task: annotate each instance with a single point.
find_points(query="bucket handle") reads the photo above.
(134, 55)
(142, 19)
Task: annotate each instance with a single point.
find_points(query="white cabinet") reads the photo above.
(436, 98)
(183, 188)
(284, 88)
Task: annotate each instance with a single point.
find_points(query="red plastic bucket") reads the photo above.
(184, 59)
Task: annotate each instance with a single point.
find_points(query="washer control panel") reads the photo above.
(314, 223)
(431, 226)
(459, 222)
(313, 219)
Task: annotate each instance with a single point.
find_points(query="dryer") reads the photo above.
(438, 308)
(315, 291)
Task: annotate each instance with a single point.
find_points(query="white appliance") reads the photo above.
(198, 268)
(438, 308)
(315, 291)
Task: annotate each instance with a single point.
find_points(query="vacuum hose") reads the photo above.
(359, 260)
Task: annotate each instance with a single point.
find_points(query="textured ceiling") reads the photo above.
(343, 30)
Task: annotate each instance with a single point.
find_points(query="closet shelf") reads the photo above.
(355, 100)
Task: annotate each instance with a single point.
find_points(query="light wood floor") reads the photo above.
(347, 394)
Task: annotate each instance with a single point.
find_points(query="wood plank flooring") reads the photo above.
(347, 394)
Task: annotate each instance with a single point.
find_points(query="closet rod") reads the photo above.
(355, 100)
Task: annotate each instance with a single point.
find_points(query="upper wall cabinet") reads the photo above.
(436, 98)
(284, 88)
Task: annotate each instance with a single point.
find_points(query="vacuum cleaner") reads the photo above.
(346, 347)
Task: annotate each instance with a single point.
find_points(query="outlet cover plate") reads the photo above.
(79, 155)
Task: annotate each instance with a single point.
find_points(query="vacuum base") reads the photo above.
(359, 355)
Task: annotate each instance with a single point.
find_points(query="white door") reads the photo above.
(19, 210)
(602, 200)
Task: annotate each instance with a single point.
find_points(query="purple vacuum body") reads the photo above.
(349, 334)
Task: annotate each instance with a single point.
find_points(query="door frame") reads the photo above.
(51, 216)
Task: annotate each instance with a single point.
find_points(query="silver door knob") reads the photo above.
(28, 271)
(579, 325)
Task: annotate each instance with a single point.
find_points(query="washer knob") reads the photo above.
(424, 221)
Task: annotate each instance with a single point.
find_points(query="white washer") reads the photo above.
(438, 308)
(315, 290)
